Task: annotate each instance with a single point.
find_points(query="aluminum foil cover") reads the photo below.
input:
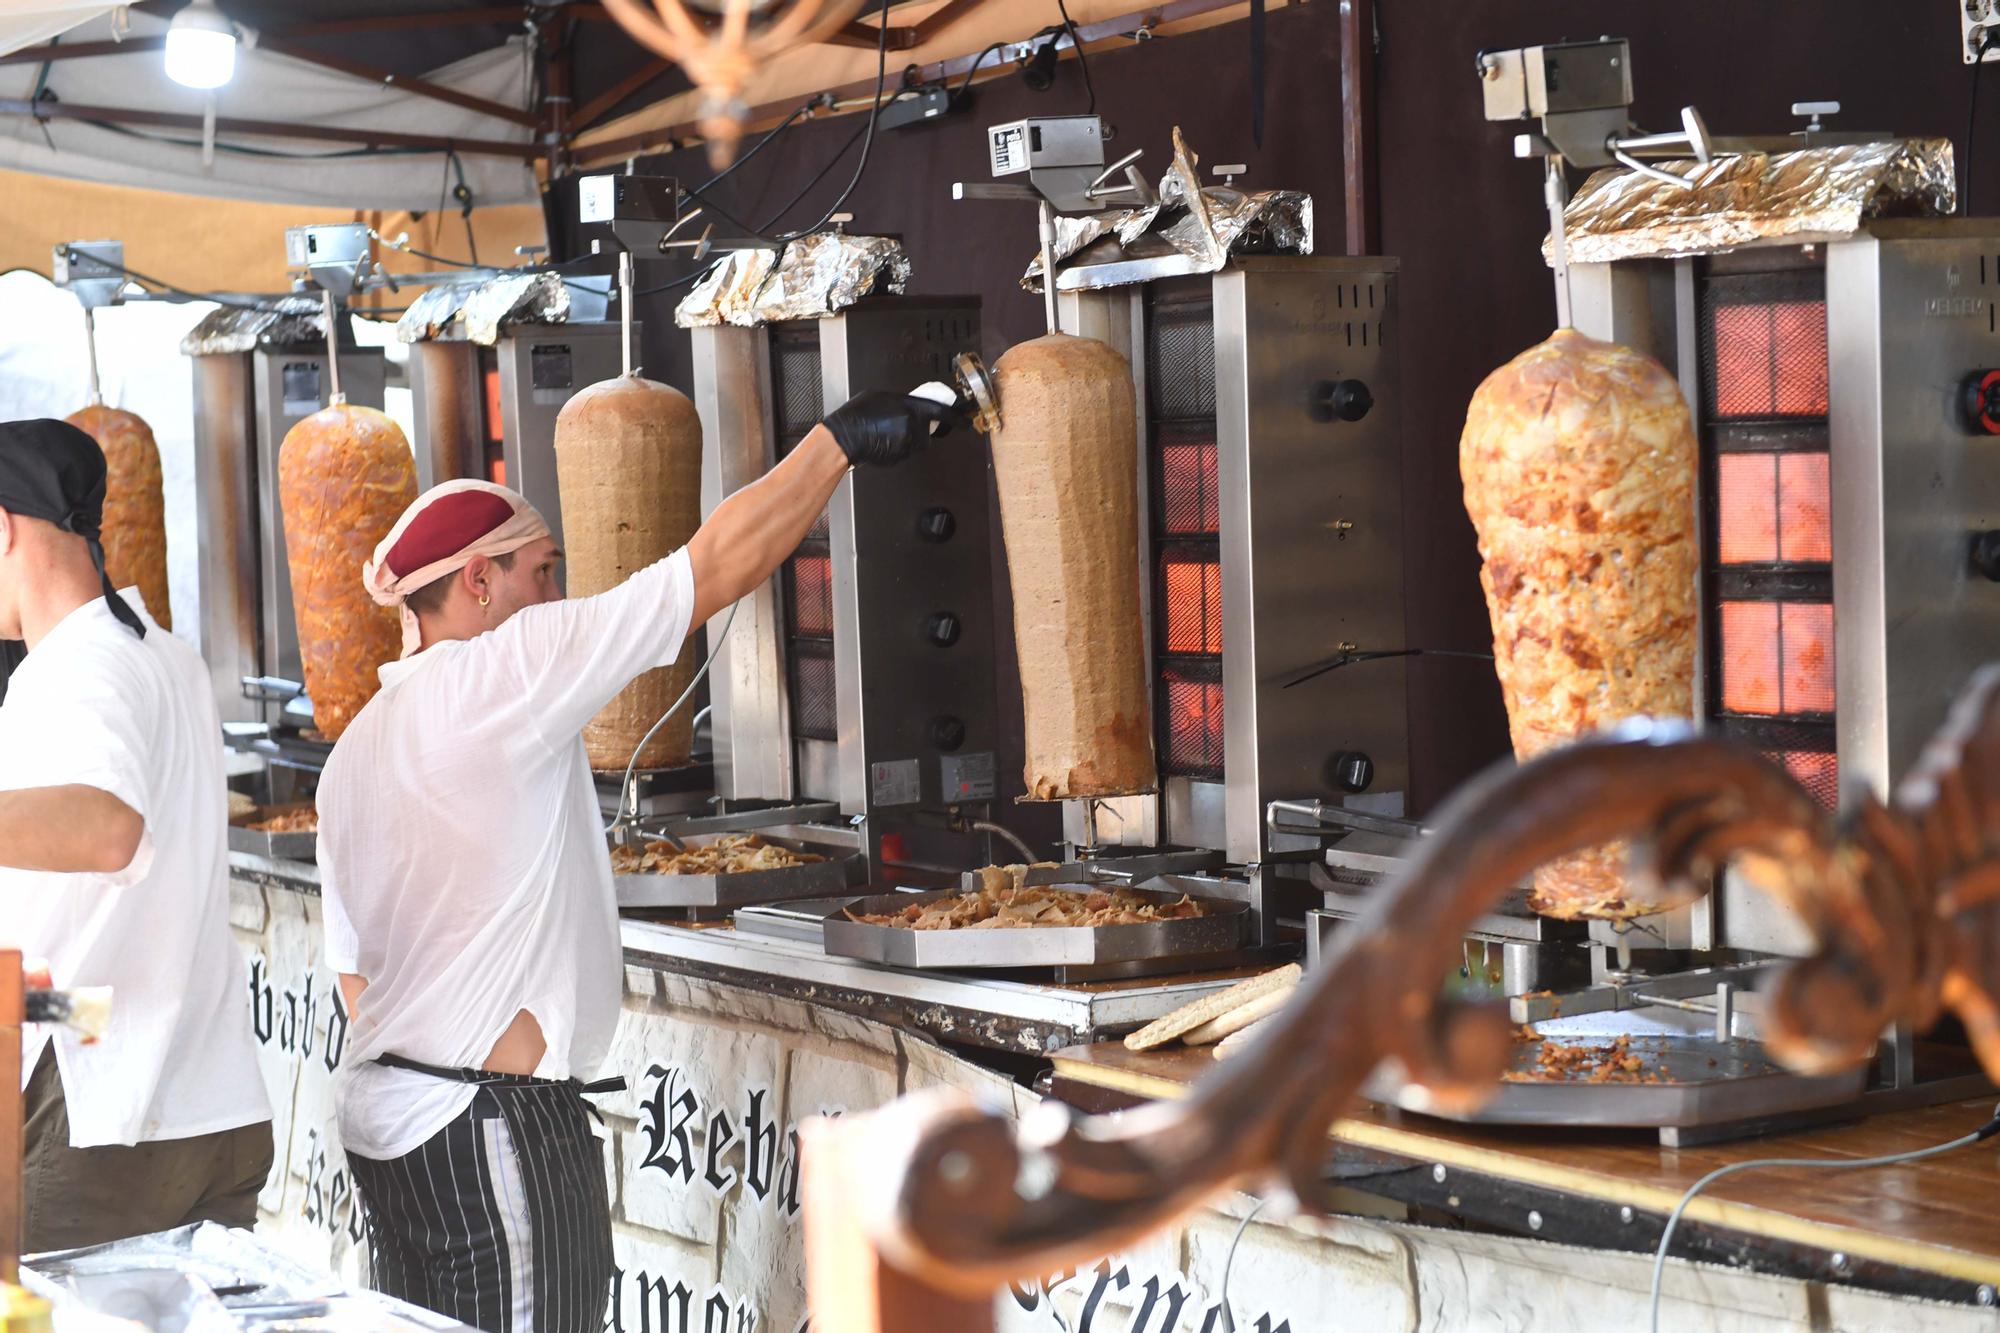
(816, 276)
(1753, 199)
(1207, 223)
(478, 311)
(287, 321)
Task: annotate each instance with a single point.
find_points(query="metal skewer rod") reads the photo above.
(90, 342)
(1555, 189)
(332, 347)
(1048, 235)
(625, 307)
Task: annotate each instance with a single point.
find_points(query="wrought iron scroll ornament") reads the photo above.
(721, 54)
(1901, 900)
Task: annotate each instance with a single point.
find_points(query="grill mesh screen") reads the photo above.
(815, 713)
(1186, 528)
(1769, 545)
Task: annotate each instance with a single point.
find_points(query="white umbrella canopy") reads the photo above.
(118, 118)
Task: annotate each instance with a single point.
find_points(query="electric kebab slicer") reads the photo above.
(94, 273)
(1062, 158)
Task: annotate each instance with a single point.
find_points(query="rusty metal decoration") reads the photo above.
(1903, 902)
(722, 53)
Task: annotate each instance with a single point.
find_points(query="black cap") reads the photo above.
(52, 471)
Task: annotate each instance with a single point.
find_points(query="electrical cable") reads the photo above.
(760, 145)
(1348, 659)
(1082, 61)
(625, 789)
(682, 281)
(182, 292)
(1987, 41)
(819, 175)
(1980, 1135)
(874, 115)
(1229, 1259)
(979, 60)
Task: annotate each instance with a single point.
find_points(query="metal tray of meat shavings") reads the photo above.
(1683, 1079)
(278, 846)
(707, 897)
(1219, 930)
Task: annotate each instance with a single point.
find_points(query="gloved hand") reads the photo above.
(884, 428)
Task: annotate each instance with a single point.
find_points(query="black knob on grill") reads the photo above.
(937, 524)
(1980, 398)
(1986, 554)
(947, 732)
(1350, 770)
(943, 628)
(1348, 400)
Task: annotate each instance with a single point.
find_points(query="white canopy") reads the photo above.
(267, 87)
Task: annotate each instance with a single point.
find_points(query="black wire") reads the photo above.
(757, 147)
(820, 175)
(874, 115)
(966, 87)
(684, 280)
(1082, 61)
(1349, 659)
(182, 291)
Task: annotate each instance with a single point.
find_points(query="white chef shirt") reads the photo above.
(462, 855)
(94, 704)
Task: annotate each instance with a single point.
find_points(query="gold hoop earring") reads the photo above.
(485, 600)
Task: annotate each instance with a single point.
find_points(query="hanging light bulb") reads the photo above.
(201, 46)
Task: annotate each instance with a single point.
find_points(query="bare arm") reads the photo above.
(71, 829)
(750, 533)
(351, 987)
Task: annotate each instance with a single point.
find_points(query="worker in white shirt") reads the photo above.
(114, 867)
(467, 886)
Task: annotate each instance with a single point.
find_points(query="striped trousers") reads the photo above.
(501, 1219)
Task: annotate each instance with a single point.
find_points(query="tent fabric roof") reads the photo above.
(267, 87)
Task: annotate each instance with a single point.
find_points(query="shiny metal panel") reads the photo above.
(750, 721)
(1910, 314)
(1312, 532)
(290, 384)
(890, 583)
(541, 368)
(445, 391)
(1115, 316)
(226, 515)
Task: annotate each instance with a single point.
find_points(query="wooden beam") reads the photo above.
(870, 36)
(770, 113)
(275, 129)
(409, 83)
(441, 18)
(1357, 126)
(946, 15)
(35, 55)
(593, 110)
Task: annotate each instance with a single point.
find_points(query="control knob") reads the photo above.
(1347, 400)
(943, 628)
(937, 524)
(1351, 770)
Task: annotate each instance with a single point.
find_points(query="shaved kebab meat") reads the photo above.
(1007, 908)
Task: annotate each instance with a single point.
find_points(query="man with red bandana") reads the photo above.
(467, 888)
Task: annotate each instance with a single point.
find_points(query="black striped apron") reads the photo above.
(501, 1219)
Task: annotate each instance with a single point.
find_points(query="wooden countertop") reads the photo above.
(1938, 1216)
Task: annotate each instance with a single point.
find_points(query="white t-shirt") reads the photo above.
(95, 705)
(462, 855)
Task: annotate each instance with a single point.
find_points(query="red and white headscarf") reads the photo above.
(438, 536)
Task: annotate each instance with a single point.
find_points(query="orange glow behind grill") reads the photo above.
(1777, 657)
(1817, 771)
(1772, 508)
(1188, 504)
(812, 595)
(1770, 360)
(1194, 722)
(1194, 605)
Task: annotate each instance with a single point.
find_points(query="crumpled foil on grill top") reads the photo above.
(1753, 199)
(478, 311)
(816, 276)
(289, 321)
(1206, 223)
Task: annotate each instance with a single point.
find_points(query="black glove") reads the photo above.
(884, 428)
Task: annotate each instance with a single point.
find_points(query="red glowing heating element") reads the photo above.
(1772, 509)
(1770, 359)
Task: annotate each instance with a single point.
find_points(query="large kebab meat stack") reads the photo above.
(1069, 507)
(345, 475)
(1579, 466)
(135, 508)
(628, 462)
